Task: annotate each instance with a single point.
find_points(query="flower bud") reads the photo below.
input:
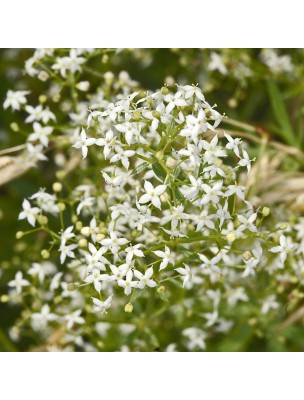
(83, 242)
(78, 225)
(100, 237)
(4, 298)
(43, 76)
(105, 59)
(42, 98)
(72, 286)
(159, 155)
(14, 127)
(161, 289)
(57, 187)
(60, 174)
(170, 162)
(45, 254)
(156, 114)
(283, 227)
(266, 211)
(42, 219)
(247, 255)
(128, 308)
(61, 206)
(137, 114)
(86, 231)
(19, 234)
(164, 90)
(109, 77)
(83, 86)
(231, 237)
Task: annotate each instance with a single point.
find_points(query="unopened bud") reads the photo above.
(156, 114)
(86, 231)
(83, 86)
(170, 162)
(60, 174)
(78, 225)
(231, 237)
(45, 254)
(164, 197)
(266, 211)
(42, 98)
(164, 90)
(72, 286)
(137, 114)
(61, 206)
(247, 255)
(19, 234)
(43, 76)
(100, 237)
(57, 187)
(42, 219)
(283, 227)
(4, 298)
(14, 127)
(83, 242)
(159, 155)
(128, 308)
(109, 77)
(161, 289)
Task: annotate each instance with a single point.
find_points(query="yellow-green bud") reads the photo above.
(19, 234)
(42, 98)
(159, 155)
(72, 286)
(57, 187)
(56, 98)
(247, 255)
(61, 206)
(42, 219)
(83, 242)
(231, 237)
(161, 289)
(100, 237)
(105, 59)
(266, 211)
(86, 231)
(60, 174)
(164, 90)
(4, 298)
(156, 114)
(282, 227)
(14, 127)
(128, 308)
(45, 254)
(78, 225)
(137, 114)
(74, 219)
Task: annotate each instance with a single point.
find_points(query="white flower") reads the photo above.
(174, 101)
(18, 283)
(269, 303)
(144, 280)
(176, 214)
(236, 189)
(245, 161)
(212, 150)
(96, 259)
(95, 278)
(67, 234)
(122, 156)
(212, 193)
(72, 63)
(285, 247)
(102, 306)
(210, 264)
(38, 113)
(86, 204)
(152, 194)
(41, 319)
(233, 144)
(166, 256)
(35, 152)
(74, 318)
(41, 134)
(217, 63)
(127, 284)
(83, 143)
(196, 338)
(133, 250)
(107, 143)
(186, 272)
(114, 243)
(247, 223)
(236, 295)
(67, 251)
(15, 99)
(29, 212)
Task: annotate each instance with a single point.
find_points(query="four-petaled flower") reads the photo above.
(152, 194)
(29, 212)
(83, 143)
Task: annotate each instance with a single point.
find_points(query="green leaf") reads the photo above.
(280, 112)
(179, 196)
(140, 168)
(159, 171)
